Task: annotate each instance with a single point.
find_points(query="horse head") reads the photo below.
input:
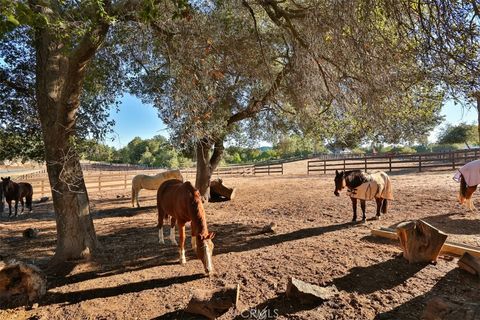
(339, 182)
(5, 182)
(205, 251)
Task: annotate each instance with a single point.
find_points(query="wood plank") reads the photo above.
(449, 247)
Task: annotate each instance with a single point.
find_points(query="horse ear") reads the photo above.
(211, 235)
(336, 172)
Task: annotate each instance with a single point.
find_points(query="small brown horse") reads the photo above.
(183, 203)
(378, 186)
(17, 191)
(469, 178)
(465, 194)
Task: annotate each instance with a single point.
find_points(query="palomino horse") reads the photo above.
(365, 186)
(469, 178)
(183, 203)
(17, 191)
(143, 181)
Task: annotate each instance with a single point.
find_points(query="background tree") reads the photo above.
(315, 66)
(60, 40)
(461, 133)
(448, 37)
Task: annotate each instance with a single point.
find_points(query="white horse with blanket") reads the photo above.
(143, 181)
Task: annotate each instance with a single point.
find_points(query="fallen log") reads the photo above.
(213, 303)
(218, 190)
(449, 247)
(21, 284)
(469, 263)
(420, 241)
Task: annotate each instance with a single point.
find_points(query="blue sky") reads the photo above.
(136, 119)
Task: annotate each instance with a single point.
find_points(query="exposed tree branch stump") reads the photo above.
(470, 263)
(307, 293)
(21, 284)
(213, 303)
(420, 241)
(219, 191)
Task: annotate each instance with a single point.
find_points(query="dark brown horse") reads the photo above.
(376, 186)
(183, 203)
(2, 202)
(17, 191)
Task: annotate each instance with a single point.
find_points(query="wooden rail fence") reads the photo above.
(420, 162)
(98, 181)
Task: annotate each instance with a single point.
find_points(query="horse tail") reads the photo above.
(463, 188)
(384, 206)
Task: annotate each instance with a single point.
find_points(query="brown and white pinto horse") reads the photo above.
(16, 192)
(469, 178)
(363, 186)
(183, 203)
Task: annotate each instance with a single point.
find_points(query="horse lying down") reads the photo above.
(364, 186)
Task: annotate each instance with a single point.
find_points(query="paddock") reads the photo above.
(314, 241)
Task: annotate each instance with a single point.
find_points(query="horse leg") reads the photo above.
(469, 201)
(362, 205)
(181, 238)
(16, 207)
(9, 207)
(172, 231)
(137, 195)
(160, 226)
(133, 197)
(379, 206)
(23, 205)
(354, 207)
(193, 238)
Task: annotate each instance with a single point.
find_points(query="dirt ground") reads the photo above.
(136, 278)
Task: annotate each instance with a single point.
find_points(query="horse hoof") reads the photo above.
(161, 242)
(183, 262)
(377, 217)
(364, 220)
(174, 243)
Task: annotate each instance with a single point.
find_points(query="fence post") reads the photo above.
(390, 163)
(282, 168)
(100, 181)
(453, 159)
(125, 181)
(420, 163)
(324, 166)
(365, 164)
(42, 188)
(344, 164)
(268, 169)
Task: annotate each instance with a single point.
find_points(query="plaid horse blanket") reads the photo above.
(470, 172)
(377, 186)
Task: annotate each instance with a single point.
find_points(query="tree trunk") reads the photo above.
(59, 79)
(477, 95)
(204, 169)
(206, 165)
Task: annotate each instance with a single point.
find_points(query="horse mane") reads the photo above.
(354, 178)
(199, 216)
